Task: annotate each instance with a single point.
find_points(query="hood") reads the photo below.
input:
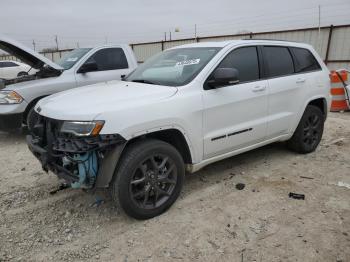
(88, 102)
(25, 54)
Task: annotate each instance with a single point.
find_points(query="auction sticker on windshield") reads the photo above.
(188, 62)
(72, 59)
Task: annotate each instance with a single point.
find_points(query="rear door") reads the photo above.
(112, 65)
(235, 116)
(286, 89)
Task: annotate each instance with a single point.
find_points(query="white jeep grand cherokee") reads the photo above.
(182, 109)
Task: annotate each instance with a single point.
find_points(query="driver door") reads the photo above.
(235, 115)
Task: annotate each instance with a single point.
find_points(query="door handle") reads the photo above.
(259, 88)
(300, 80)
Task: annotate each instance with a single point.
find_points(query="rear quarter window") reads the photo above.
(304, 60)
(278, 61)
(9, 64)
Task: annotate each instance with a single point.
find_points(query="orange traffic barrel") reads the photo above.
(338, 92)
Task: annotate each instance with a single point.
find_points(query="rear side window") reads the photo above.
(245, 60)
(278, 61)
(110, 59)
(304, 60)
(8, 64)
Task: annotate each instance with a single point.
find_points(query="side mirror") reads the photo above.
(88, 67)
(224, 77)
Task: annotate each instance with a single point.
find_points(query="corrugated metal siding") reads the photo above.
(56, 56)
(309, 37)
(339, 47)
(177, 43)
(48, 55)
(340, 44)
(63, 53)
(223, 38)
(144, 51)
(334, 66)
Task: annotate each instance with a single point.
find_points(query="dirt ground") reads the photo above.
(212, 220)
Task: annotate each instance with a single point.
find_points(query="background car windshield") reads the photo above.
(174, 67)
(70, 59)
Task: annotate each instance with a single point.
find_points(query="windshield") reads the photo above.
(174, 67)
(70, 59)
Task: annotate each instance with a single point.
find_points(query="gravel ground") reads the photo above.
(211, 221)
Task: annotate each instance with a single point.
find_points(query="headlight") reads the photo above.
(10, 97)
(92, 128)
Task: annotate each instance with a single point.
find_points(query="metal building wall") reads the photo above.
(144, 51)
(310, 37)
(336, 40)
(340, 44)
(177, 43)
(334, 45)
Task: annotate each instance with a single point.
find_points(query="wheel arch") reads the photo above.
(172, 136)
(321, 103)
(30, 105)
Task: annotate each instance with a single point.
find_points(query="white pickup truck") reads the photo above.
(80, 67)
(182, 109)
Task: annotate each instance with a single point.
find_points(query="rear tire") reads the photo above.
(149, 178)
(309, 132)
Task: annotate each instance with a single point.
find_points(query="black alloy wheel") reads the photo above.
(309, 132)
(153, 181)
(148, 179)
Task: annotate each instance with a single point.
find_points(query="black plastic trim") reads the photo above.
(240, 132)
(11, 121)
(218, 137)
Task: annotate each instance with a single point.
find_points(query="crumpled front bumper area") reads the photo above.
(77, 160)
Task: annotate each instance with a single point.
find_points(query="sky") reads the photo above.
(93, 22)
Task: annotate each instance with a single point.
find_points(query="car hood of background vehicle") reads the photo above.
(27, 86)
(25, 54)
(85, 103)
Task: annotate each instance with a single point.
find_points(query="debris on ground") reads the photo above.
(343, 184)
(306, 177)
(297, 196)
(37, 226)
(61, 187)
(337, 142)
(240, 186)
(98, 201)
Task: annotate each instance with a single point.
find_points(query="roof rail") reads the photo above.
(266, 39)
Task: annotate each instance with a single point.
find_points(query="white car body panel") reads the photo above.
(272, 108)
(13, 71)
(29, 52)
(33, 90)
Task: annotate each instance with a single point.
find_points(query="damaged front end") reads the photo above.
(82, 161)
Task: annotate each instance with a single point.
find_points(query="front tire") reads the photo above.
(30, 120)
(148, 179)
(309, 132)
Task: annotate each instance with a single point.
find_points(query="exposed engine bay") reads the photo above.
(77, 160)
(44, 72)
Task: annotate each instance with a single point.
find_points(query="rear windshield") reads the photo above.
(70, 59)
